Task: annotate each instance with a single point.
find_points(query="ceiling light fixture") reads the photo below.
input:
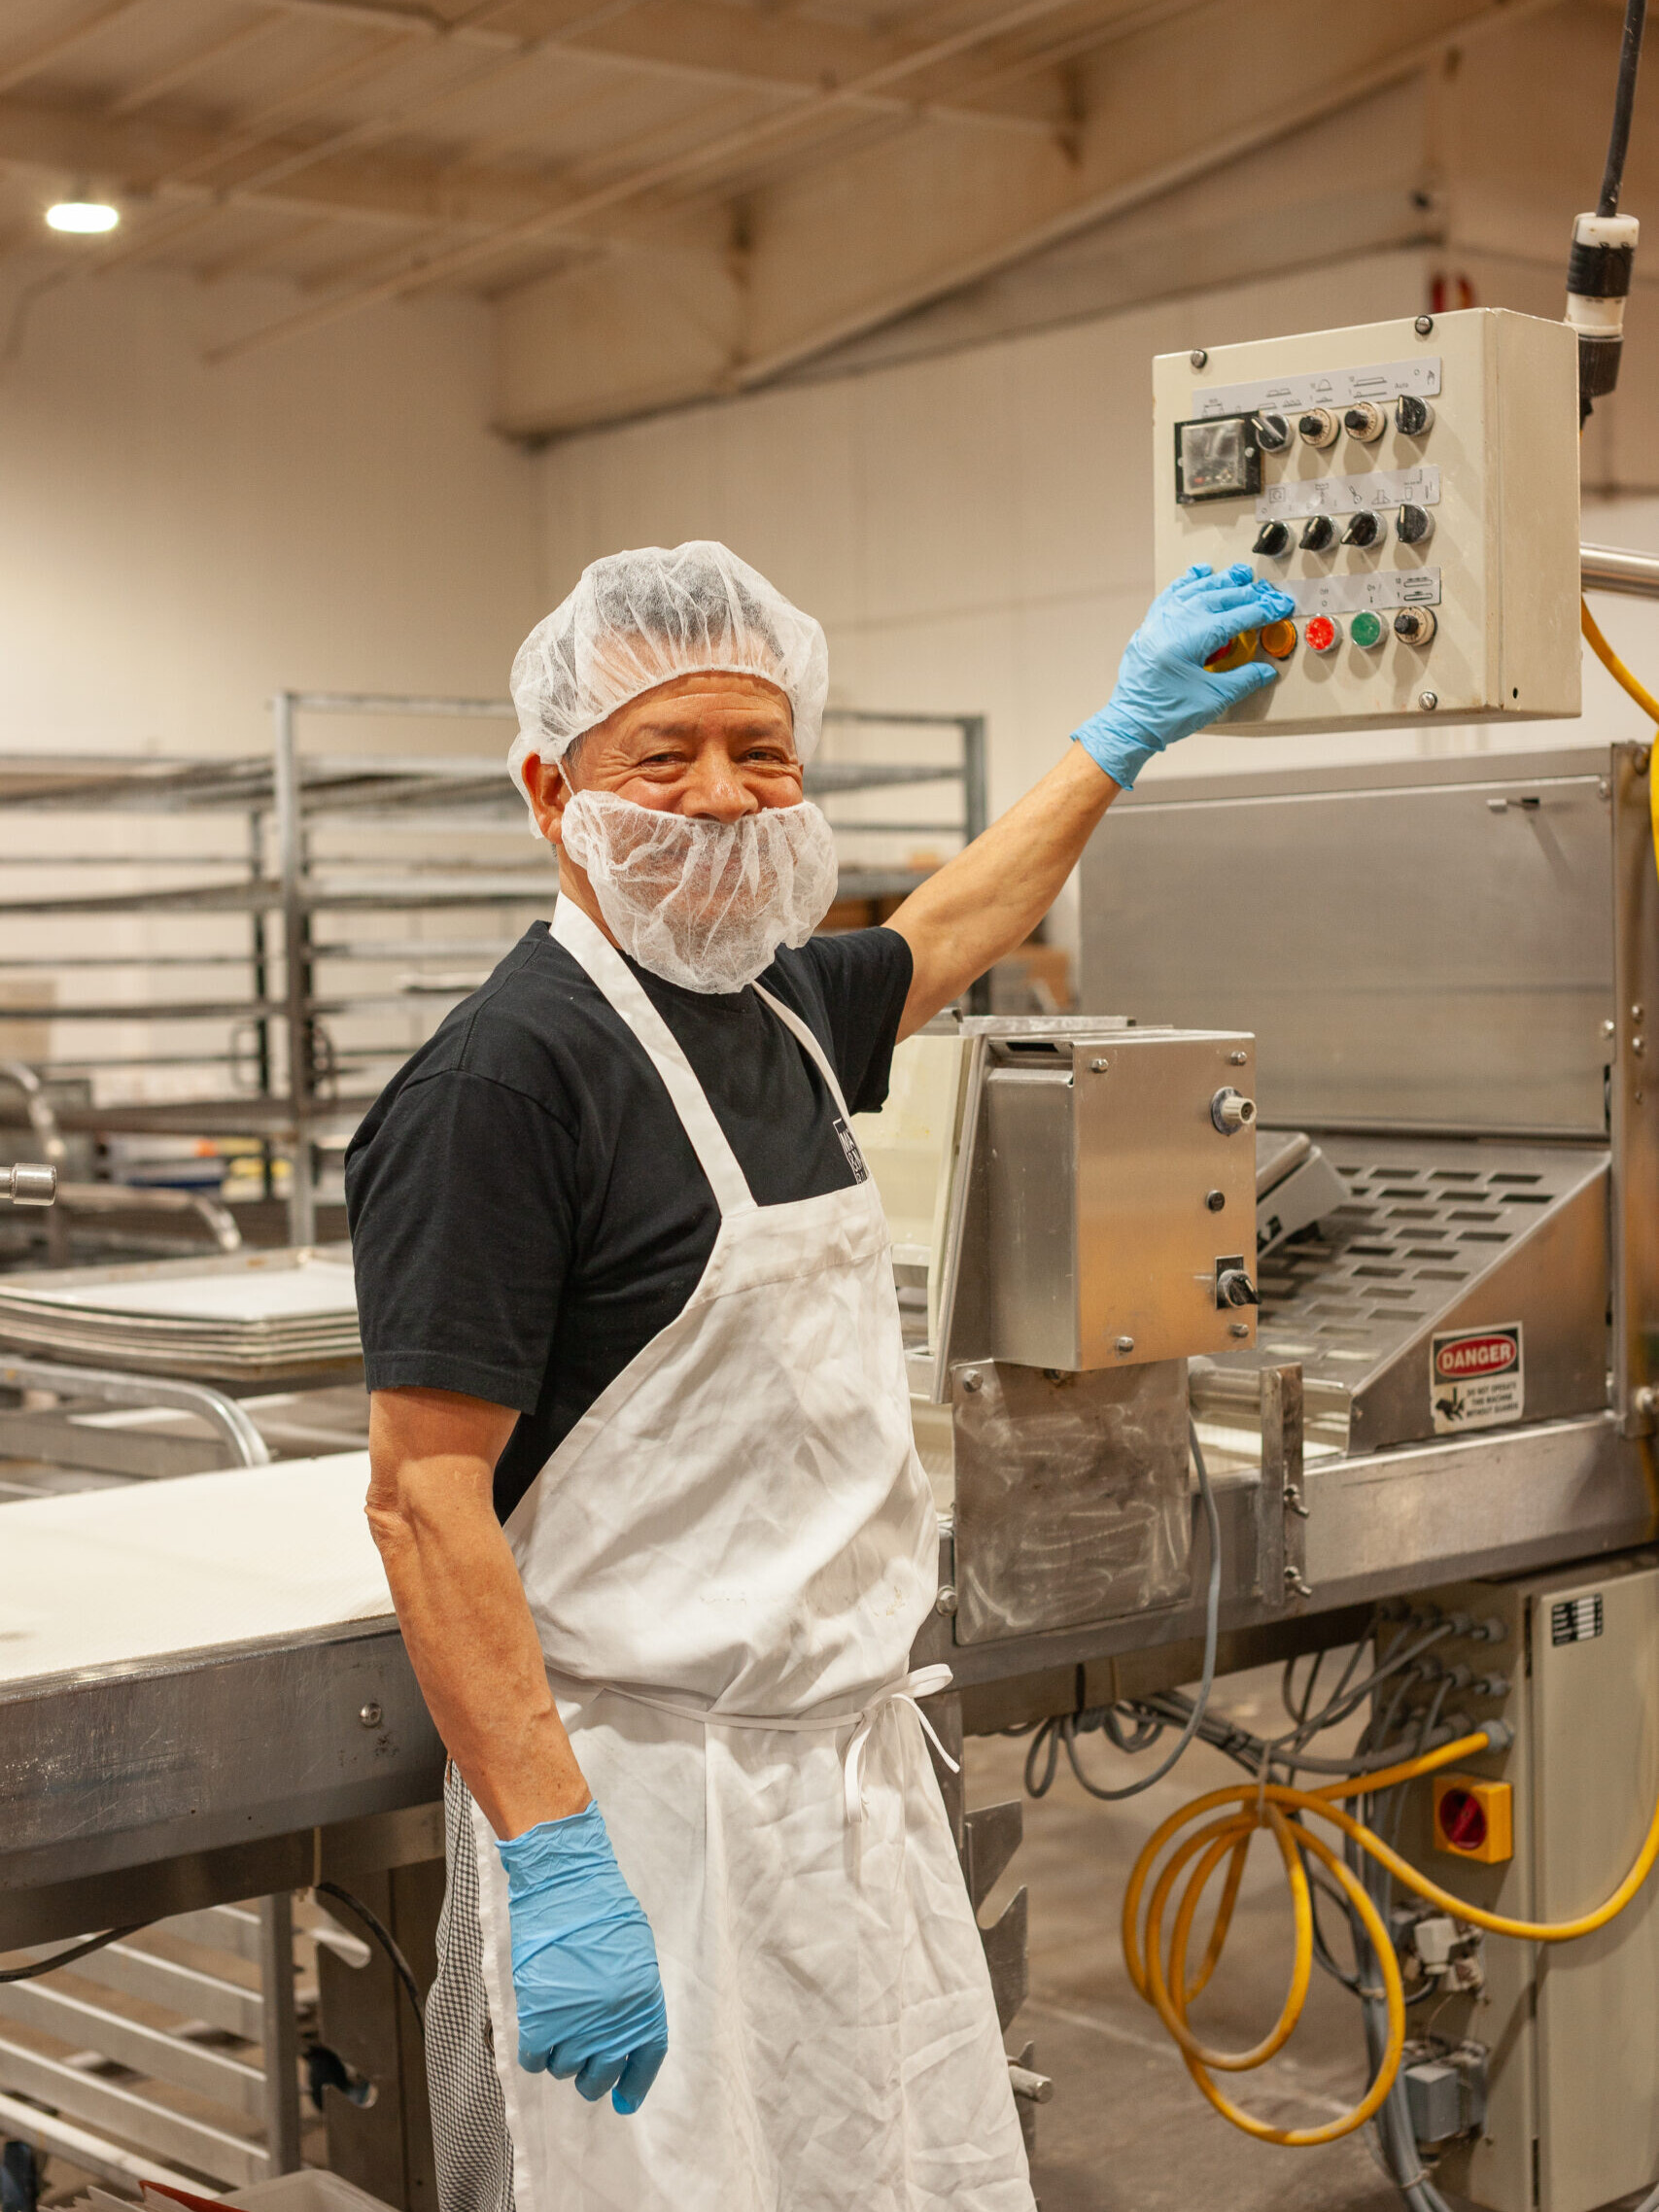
(82, 214)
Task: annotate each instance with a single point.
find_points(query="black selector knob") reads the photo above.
(1233, 1288)
(1364, 529)
(1364, 420)
(1415, 625)
(1319, 534)
(1272, 433)
(1412, 417)
(1272, 539)
(1413, 525)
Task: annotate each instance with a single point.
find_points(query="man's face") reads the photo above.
(719, 746)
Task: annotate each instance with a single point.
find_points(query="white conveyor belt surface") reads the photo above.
(120, 1576)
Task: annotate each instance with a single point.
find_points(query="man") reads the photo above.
(643, 1477)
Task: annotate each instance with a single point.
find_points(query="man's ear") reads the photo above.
(549, 794)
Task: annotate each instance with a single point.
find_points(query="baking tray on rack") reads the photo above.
(243, 1319)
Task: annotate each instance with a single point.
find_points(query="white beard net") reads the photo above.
(703, 903)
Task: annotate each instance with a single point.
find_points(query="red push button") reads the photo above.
(1323, 634)
(1234, 653)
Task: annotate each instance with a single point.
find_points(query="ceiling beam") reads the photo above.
(23, 66)
(1154, 127)
(191, 63)
(855, 242)
(127, 155)
(584, 207)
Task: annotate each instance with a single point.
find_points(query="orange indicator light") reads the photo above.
(1279, 639)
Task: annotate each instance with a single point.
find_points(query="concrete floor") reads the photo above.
(1126, 2130)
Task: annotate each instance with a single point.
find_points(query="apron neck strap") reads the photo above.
(587, 945)
(809, 1041)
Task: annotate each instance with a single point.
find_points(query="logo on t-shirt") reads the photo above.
(849, 1146)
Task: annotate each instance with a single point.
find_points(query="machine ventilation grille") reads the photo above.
(1415, 1231)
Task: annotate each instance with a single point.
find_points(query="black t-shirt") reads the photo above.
(527, 1211)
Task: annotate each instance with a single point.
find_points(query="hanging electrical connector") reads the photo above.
(1604, 243)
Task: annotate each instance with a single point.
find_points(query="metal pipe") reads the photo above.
(302, 1195)
(143, 1198)
(113, 1388)
(1611, 569)
(281, 2034)
(382, 703)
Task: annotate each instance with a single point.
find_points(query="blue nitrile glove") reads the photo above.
(590, 1999)
(1164, 691)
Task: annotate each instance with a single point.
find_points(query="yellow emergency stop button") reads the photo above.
(1278, 639)
(1236, 653)
(1473, 1818)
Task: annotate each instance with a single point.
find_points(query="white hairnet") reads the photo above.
(639, 619)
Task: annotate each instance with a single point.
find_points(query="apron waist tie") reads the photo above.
(909, 1689)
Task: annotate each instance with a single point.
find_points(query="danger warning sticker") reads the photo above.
(1477, 1378)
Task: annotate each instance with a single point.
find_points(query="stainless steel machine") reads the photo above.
(1368, 1047)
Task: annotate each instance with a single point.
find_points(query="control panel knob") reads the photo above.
(1234, 1287)
(1232, 1112)
(1364, 529)
(1413, 525)
(1272, 539)
(1319, 534)
(1317, 427)
(1272, 433)
(1415, 624)
(1364, 420)
(1412, 417)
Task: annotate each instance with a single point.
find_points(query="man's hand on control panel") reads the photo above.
(1164, 691)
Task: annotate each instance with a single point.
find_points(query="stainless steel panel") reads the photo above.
(1435, 1236)
(1596, 1752)
(122, 1765)
(1509, 1503)
(1148, 1156)
(1635, 1091)
(1098, 1158)
(1072, 1495)
(1408, 952)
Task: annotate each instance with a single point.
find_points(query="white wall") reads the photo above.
(177, 542)
(974, 530)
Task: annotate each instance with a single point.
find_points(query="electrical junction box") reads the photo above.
(1571, 2029)
(1414, 486)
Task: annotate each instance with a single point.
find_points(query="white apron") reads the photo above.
(727, 1560)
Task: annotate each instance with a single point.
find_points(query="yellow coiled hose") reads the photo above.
(1160, 1972)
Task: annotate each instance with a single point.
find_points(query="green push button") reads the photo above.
(1366, 629)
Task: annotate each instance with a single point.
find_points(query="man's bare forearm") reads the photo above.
(988, 899)
(462, 1607)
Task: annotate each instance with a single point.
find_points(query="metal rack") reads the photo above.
(296, 1001)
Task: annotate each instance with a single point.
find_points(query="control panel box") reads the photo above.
(1413, 487)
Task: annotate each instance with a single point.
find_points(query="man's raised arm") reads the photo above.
(988, 900)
